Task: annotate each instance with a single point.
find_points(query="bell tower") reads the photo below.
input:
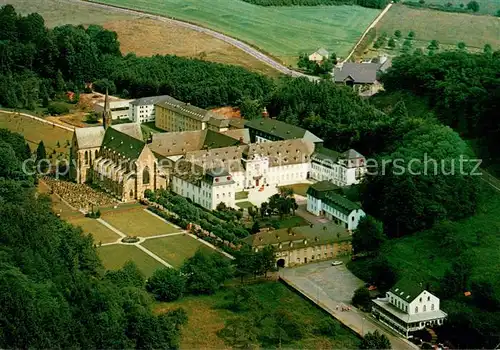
(107, 118)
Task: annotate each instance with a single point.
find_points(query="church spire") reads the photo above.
(106, 115)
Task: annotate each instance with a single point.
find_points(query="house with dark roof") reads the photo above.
(408, 307)
(342, 169)
(325, 199)
(362, 77)
(268, 129)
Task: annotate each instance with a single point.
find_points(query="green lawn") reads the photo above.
(299, 189)
(206, 318)
(241, 195)
(245, 204)
(175, 249)
(447, 28)
(100, 232)
(136, 222)
(115, 256)
(283, 32)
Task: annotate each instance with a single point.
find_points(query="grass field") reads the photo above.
(101, 233)
(35, 131)
(175, 249)
(136, 222)
(284, 32)
(206, 318)
(486, 7)
(139, 35)
(114, 256)
(447, 28)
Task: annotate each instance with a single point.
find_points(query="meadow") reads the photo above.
(35, 131)
(283, 32)
(447, 28)
(206, 317)
(486, 7)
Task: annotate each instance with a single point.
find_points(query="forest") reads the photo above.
(376, 4)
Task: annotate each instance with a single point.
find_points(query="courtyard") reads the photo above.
(114, 256)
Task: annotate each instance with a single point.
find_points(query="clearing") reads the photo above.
(206, 318)
(175, 249)
(447, 28)
(35, 131)
(283, 32)
(114, 256)
(139, 35)
(101, 233)
(300, 189)
(134, 221)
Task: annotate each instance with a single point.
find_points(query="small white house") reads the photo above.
(323, 199)
(407, 308)
(320, 55)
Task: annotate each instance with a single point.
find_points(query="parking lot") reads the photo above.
(336, 282)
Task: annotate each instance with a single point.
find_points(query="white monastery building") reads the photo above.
(407, 308)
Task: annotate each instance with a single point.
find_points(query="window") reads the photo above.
(416, 309)
(217, 196)
(432, 307)
(428, 298)
(420, 299)
(145, 176)
(425, 308)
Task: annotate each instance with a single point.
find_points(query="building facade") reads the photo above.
(302, 245)
(342, 169)
(407, 308)
(119, 108)
(319, 55)
(143, 109)
(324, 199)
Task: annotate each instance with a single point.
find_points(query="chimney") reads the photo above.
(265, 114)
(241, 140)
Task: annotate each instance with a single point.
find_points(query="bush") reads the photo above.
(328, 327)
(361, 298)
(166, 284)
(57, 108)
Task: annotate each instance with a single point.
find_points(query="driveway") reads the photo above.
(331, 286)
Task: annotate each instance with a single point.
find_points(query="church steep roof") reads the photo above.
(89, 137)
(124, 144)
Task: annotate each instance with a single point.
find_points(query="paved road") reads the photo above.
(237, 43)
(331, 286)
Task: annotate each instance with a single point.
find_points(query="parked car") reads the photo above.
(337, 263)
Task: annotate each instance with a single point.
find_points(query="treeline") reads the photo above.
(54, 292)
(376, 4)
(463, 90)
(39, 64)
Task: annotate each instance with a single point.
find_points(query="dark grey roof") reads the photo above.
(185, 109)
(151, 100)
(363, 73)
(281, 129)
